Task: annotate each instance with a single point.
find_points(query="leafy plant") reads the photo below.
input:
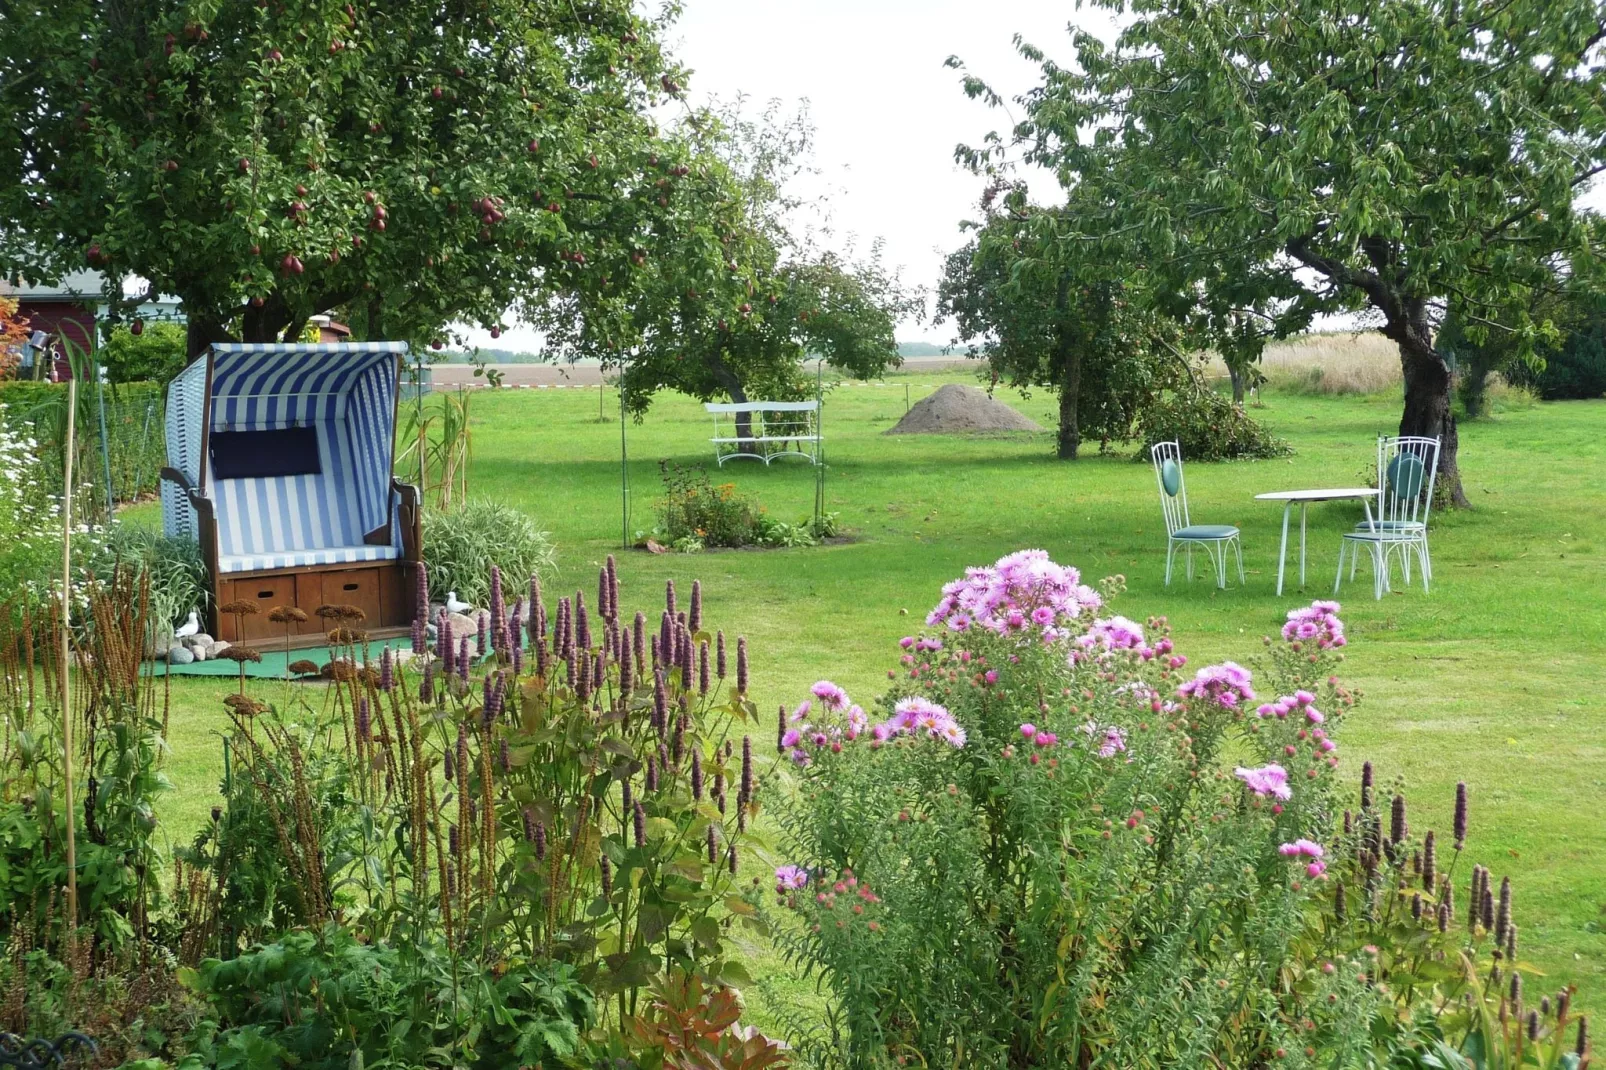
(694, 514)
(154, 355)
(175, 570)
(1039, 848)
(463, 545)
(436, 447)
(1208, 426)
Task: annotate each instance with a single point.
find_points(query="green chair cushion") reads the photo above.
(1405, 476)
(1171, 477)
(1206, 532)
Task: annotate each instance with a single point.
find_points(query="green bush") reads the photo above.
(694, 513)
(461, 545)
(155, 355)
(135, 431)
(1576, 371)
(1048, 845)
(178, 581)
(1208, 426)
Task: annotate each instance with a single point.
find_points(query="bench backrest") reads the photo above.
(762, 406)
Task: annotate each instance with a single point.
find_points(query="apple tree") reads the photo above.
(1391, 159)
(405, 163)
(731, 306)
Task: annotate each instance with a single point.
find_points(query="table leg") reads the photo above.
(1282, 551)
(1302, 508)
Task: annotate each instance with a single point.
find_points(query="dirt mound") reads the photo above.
(960, 410)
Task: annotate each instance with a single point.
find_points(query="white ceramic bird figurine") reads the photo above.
(189, 627)
(454, 606)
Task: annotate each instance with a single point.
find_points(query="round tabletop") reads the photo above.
(1329, 495)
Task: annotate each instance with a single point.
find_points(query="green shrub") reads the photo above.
(694, 508)
(695, 514)
(1208, 426)
(1577, 370)
(155, 355)
(178, 581)
(1040, 849)
(461, 545)
(135, 432)
(327, 1000)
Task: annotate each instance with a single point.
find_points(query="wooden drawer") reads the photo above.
(351, 587)
(267, 592)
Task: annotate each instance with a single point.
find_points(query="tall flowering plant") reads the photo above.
(1053, 842)
(567, 784)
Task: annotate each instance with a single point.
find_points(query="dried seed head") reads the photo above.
(1533, 1026)
(454, 842)
(607, 877)
(1582, 1048)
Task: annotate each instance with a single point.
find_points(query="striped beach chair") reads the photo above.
(279, 465)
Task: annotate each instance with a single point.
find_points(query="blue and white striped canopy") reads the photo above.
(347, 392)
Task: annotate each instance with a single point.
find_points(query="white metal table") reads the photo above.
(1303, 498)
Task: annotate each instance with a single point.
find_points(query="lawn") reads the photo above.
(1493, 678)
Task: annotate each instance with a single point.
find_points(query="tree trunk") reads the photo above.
(1069, 357)
(1427, 394)
(732, 386)
(1236, 374)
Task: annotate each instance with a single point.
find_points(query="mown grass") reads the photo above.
(1494, 678)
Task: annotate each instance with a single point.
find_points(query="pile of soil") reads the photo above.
(956, 409)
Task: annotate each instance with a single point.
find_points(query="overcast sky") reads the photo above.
(887, 113)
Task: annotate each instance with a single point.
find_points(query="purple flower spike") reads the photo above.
(694, 619)
(481, 633)
(498, 607)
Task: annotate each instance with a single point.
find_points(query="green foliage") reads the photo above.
(694, 514)
(1046, 312)
(731, 310)
(135, 435)
(154, 355)
(1577, 370)
(1087, 876)
(1245, 145)
(1208, 426)
(265, 164)
(174, 568)
(326, 1000)
(461, 545)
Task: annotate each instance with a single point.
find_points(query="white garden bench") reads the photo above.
(780, 429)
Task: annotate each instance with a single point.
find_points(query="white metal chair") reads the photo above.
(1214, 539)
(1407, 466)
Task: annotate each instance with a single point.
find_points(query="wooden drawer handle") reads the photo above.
(351, 587)
(264, 594)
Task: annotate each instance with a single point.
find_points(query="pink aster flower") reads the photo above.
(952, 734)
(1114, 741)
(830, 695)
(1267, 780)
(790, 739)
(802, 711)
(790, 878)
(1226, 684)
(856, 721)
(1028, 730)
(1301, 848)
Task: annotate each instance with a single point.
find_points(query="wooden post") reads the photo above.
(66, 645)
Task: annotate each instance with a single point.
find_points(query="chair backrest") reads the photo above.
(1407, 466)
(1167, 457)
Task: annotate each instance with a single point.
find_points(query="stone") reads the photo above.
(216, 649)
(198, 651)
(179, 655)
(157, 640)
(430, 632)
(463, 624)
(199, 639)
